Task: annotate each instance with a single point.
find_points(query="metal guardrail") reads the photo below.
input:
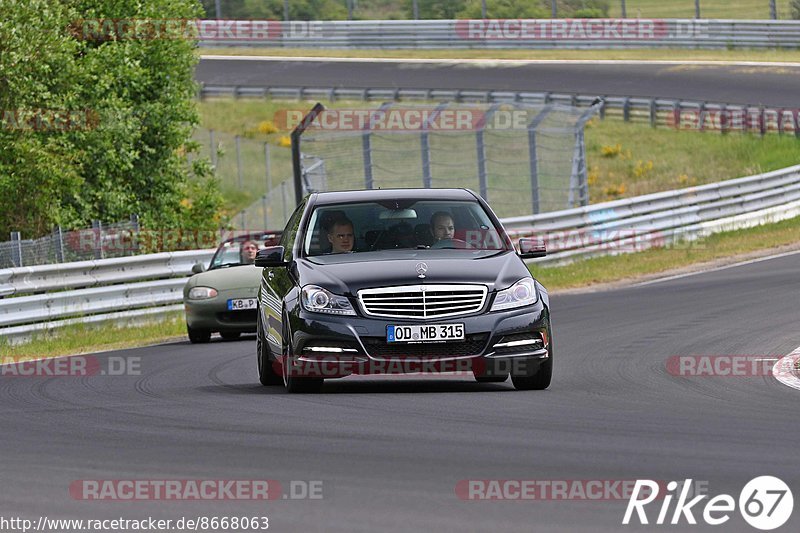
(662, 219)
(505, 33)
(124, 290)
(658, 112)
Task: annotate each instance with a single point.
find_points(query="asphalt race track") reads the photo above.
(734, 84)
(390, 452)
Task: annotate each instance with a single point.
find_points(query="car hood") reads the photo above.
(347, 274)
(238, 277)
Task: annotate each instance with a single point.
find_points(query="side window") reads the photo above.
(290, 231)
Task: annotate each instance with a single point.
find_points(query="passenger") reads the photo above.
(442, 226)
(248, 252)
(341, 236)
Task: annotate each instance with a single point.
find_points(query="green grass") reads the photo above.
(632, 265)
(712, 9)
(81, 338)
(669, 54)
(647, 160)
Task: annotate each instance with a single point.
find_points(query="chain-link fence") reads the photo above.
(101, 241)
(524, 159)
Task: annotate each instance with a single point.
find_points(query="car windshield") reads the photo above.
(402, 224)
(234, 253)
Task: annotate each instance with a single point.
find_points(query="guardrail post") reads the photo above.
(553, 9)
(773, 10)
(58, 244)
(653, 113)
(624, 11)
(16, 249)
(415, 9)
(603, 109)
(97, 232)
(723, 118)
(237, 140)
(243, 219)
(697, 9)
(626, 109)
(702, 116)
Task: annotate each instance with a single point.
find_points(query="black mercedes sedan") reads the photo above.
(396, 282)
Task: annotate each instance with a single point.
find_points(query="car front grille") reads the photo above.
(378, 347)
(423, 301)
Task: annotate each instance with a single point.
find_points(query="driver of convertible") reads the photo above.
(442, 226)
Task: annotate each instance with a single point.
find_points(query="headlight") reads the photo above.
(520, 294)
(320, 300)
(202, 293)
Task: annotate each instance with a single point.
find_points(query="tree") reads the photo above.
(139, 91)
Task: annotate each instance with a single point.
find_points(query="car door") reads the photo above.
(276, 282)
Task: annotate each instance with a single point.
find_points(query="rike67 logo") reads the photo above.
(765, 503)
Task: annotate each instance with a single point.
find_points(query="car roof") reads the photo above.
(338, 197)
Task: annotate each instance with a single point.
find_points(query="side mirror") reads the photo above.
(532, 248)
(197, 268)
(270, 257)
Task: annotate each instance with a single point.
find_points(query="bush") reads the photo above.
(794, 8)
(141, 95)
(504, 9)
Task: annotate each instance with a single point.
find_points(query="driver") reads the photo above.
(248, 252)
(341, 237)
(442, 226)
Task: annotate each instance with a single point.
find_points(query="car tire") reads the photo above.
(540, 380)
(230, 335)
(198, 336)
(295, 384)
(266, 364)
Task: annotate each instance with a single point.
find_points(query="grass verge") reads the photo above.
(607, 269)
(81, 339)
(666, 54)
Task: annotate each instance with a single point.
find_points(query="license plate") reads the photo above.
(437, 333)
(242, 304)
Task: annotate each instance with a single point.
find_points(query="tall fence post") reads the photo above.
(58, 244)
(264, 207)
(415, 9)
(533, 157)
(283, 201)
(624, 11)
(697, 9)
(366, 145)
(213, 147)
(773, 10)
(268, 166)
(16, 249)
(135, 232)
(425, 146)
(579, 180)
(553, 9)
(237, 140)
(97, 232)
(480, 147)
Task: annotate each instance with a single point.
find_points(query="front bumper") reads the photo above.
(337, 346)
(213, 314)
